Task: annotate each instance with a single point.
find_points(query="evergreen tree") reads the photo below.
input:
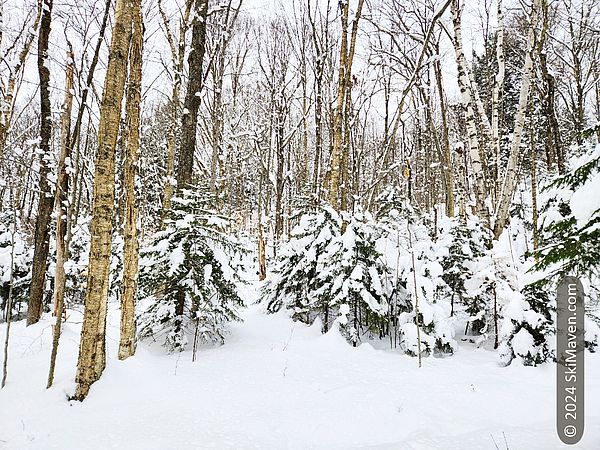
(294, 282)
(407, 233)
(76, 266)
(570, 238)
(23, 256)
(465, 243)
(195, 258)
(331, 269)
(528, 326)
(570, 221)
(357, 279)
(436, 333)
(570, 230)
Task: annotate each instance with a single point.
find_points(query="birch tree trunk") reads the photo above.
(131, 245)
(467, 102)
(510, 176)
(92, 349)
(496, 103)
(61, 205)
(7, 102)
(45, 202)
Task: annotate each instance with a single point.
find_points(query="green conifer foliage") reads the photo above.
(195, 260)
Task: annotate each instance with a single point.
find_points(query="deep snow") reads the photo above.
(276, 384)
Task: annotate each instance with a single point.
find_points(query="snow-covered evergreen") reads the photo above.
(23, 255)
(188, 275)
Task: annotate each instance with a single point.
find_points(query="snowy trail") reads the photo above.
(276, 384)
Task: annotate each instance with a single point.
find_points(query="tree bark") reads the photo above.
(346, 56)
(177, 56)
(45, 202)
(467, 102)
(131, 250)
(92, 349)
(534, 202)
(192, 96)
(447, 155)
(14, 79)
(510, 177)
(61, 201)
(496, 102)
(10, 293)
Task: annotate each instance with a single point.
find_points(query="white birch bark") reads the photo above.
(498, 83)
(467, 102)
(510, 176)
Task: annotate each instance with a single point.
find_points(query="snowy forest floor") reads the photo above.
(276, 384)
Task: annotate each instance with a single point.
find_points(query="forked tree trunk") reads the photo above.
(92, 349)
(131, 250)
(337, 168)
(467, 102)
(45, 202)
(336, 175)
(510, 177)
(61, 200)
(319, 80)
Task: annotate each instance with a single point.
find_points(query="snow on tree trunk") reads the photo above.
(61, 200)
(92, 349)
(467, 102)
(46, 200)
(511, 174)
(130, 258)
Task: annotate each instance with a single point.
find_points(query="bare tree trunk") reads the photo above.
(7, 103)
(177, 55)
(346, 56)
(10, 294)
(447, 155)
(510, 177)
(131, 250)
(45, 202)
(319, 80)
(534, 203)
(466, 100)
(61, 201)
(75, 140)
(92, 349)
(416, 292)
(496, 101)
(279, 173)
(262, 254)
(192, 96)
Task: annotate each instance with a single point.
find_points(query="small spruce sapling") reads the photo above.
(194, 265)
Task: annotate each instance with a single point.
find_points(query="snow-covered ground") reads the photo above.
(276, 384)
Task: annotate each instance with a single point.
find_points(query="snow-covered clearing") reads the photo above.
(276, 384)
